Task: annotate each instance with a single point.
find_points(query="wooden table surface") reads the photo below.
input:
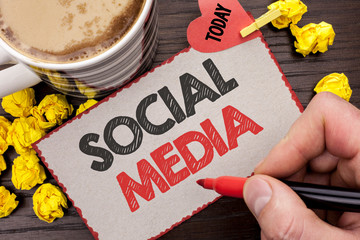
(227, 218)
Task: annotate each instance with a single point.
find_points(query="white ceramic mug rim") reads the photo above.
(88, 62)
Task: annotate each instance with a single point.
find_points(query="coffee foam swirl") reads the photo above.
(66, 30)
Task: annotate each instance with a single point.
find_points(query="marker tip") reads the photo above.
(201, 182)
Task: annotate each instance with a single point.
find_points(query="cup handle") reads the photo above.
(4, 57)
(15, 78)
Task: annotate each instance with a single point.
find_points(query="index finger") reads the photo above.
(328, 122)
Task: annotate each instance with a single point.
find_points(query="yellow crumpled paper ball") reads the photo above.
(43, 123)
(27, 171)
(313, 37)
(48, 201)
(55, 107)
(4, 128)
(2, 164)
(20, 103)
(291, 12)
(7, 202)
(23, 132)
(336, 83)
(89, 103)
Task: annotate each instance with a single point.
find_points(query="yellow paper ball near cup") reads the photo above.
(336, 83)
(23, 132)
(55, 108)
(86, 105)
(48, 201)
(43, 123)
(20, 103)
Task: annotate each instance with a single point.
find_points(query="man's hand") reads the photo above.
(321, 147)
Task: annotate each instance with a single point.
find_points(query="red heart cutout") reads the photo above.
(219, 26)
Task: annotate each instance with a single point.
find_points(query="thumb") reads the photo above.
(281, 213)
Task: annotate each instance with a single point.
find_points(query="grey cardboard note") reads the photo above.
(130, 164)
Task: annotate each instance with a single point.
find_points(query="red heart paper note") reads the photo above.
(219, 26)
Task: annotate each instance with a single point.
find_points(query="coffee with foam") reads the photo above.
(64, 31)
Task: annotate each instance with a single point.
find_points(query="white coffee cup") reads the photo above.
(93, 77)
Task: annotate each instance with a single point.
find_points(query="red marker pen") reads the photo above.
(314, 196)
(226, 185)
